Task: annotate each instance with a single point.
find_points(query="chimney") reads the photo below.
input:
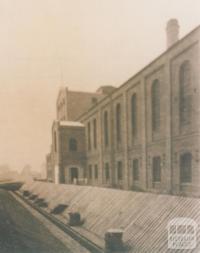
(172, 32)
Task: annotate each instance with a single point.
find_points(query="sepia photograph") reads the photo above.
(100, 126)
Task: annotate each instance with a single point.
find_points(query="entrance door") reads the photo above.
(74, 174)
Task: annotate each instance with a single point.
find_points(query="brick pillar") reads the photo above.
(57, 174)
(111, 145)
(144, 163)
(167, 160)
(100, 146)
(126, 162)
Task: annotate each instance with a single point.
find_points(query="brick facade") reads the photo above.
(68, 151)
(71, 104)
(150, 156)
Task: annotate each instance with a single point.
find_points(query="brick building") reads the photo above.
(67, 157)
(143, 135)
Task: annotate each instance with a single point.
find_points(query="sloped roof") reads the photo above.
(144, 217)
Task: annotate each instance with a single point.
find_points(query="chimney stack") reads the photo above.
(172, 32)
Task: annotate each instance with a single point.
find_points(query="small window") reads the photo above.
(73, 144)
(107, 171)
(96, 171)
(186, 168)
(90, 171)
(119, 170)
(135, 170)
(156, 169)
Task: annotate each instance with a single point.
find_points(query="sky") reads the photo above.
(82, 44)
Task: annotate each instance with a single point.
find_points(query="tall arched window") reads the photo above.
(73, 144)
(186, 168)
(185, 94)
(118, 123)
(155, 105)
(106, 136)
(95, 133)
(89, 135)
(134, 114)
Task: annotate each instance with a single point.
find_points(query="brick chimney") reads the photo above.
(172, 30)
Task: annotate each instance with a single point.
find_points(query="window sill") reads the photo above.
(186, 184)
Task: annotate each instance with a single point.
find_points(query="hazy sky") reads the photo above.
(82, 44)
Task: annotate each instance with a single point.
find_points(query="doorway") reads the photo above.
(73, 173)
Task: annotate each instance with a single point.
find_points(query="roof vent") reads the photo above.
(33, 196)
(113, 240)
(75, 219)
(26, 193)
(41, 202)
(59, 209)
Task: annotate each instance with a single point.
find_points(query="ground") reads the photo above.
(20, 232)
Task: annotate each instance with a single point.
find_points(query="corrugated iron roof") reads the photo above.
(143, 216)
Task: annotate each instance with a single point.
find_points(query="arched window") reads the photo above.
(106, 136)
(73, 144)
(155, 105)
(134, 114)
(118, 123)
(186, 168)
(185, 93)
